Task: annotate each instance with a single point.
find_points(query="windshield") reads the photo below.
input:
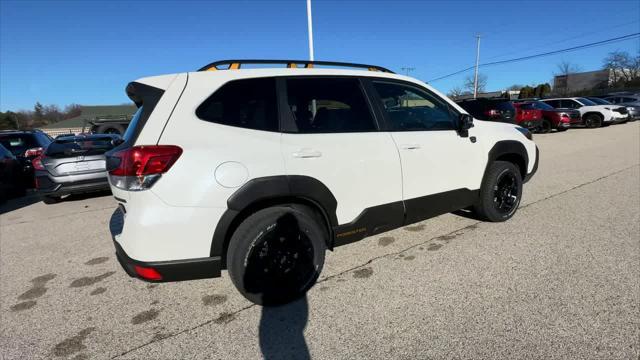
(132, 125)
(586, 102)
(18, 143)
(79, 146)
(599, 101)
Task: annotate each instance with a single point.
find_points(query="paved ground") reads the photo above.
(560, 280)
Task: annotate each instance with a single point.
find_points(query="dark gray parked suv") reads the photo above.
(74, 164)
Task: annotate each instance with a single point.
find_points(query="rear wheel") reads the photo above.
(545, 127)
(593, 121)
(500, 193)
(276, 255)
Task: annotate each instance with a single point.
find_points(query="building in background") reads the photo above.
(583, 81)
(109, 115)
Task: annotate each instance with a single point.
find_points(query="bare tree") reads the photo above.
(624, 66)
(482, 83)
(515, 87)
(566, 68)
(455, 92)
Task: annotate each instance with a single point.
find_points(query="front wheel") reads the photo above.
(276, 255)
(593, 121)
(500, 193)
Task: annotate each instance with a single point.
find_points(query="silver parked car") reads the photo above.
(631, 101)
(73, 164)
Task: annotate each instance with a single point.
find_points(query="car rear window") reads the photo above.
(18, 143)
(70, 147)
(502, 105)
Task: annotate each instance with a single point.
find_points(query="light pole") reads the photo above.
(475, 76)
(407, 69)
(310, 28)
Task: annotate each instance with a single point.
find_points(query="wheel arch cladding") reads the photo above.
(511, 151)
(264, 192)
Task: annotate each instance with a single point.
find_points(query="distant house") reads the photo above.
(88, 113)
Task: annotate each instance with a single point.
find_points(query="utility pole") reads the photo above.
(475, 80)
(407, 70)
(310, 28)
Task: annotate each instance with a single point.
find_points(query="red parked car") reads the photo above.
(527, 115)
(552, 118)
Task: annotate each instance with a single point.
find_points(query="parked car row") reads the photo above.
(68, 164)
(544, 115)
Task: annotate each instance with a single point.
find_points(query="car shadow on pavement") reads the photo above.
(282, 331)
(84, 196)
(18, 203)
(467, 213)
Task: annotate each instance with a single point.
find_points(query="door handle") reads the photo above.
(410, 146)
(306, 153)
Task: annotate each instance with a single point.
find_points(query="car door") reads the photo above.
(331, 134)
(441, 168)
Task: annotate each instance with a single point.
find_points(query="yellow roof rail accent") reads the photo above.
(292, 64)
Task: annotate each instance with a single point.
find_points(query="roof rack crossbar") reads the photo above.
(235, 64)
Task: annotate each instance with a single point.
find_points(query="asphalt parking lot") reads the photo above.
(559, 280)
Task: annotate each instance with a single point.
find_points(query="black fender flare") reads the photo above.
(266, 190)
(509, 147)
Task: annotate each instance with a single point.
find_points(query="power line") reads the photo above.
(529, 48)
(597, 43)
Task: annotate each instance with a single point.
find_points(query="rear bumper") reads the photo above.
(170, 270)
(48, 185)
(535, 167)
(178, 270)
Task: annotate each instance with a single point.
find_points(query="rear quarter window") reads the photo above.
(248, 103)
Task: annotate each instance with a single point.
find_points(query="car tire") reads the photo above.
(276, 254)
(545, 127)
(51, 199)
(500, 192)
(111, 129)
(593, 121)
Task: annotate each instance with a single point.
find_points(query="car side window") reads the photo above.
(328, 105)
(409, 108)
(248, 103)
(554, 103)
(628, 100)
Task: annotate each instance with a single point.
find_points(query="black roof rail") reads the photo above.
(235, 64)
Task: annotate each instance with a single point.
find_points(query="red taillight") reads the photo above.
(37, 163)
(139, 167)
(147, 273)
(492, 113)
(33, 152)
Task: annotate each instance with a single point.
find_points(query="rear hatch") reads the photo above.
(500, 110)
(155, 97)
(77, 155)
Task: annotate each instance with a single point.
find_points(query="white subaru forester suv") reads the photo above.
(261, 170)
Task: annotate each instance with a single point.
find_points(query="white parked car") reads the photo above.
(261, 170)
(593, 115)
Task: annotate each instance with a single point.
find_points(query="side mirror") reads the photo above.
(465, 122)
